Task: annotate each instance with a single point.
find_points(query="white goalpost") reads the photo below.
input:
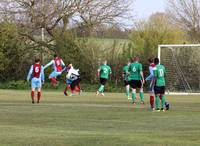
(182, 62)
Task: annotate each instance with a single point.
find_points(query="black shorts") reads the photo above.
(159, 90)
(135, 84)
(75, 83)
(126, 83)
(103, 81)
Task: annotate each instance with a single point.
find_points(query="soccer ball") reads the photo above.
(167, 105)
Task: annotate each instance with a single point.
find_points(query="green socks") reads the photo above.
(141, 96)
(101, 89)
(163, 101)
(133, 97)
(157, 102)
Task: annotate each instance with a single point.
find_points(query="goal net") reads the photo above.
(182, 63)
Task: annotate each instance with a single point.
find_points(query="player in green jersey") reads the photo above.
(125, 77)
(103, 72)
(159, 88)
(136, 79)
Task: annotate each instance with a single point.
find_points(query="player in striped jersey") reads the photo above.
(36, 73)
(58, 66)
(151, 84)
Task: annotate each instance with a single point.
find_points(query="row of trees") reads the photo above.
(71, 28)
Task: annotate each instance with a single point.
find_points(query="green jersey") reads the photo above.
(105, 70)
(135, 70)
(125, 70)
(160, 73)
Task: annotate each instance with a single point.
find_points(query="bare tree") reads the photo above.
(186, 14)
(58, 16)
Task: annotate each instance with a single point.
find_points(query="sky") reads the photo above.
(144, 8)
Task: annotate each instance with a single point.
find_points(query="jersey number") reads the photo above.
(161, 72)
(37, 69)
(134, 69)
(105, 70)
(58, 62)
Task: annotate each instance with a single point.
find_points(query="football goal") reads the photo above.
(182, 63)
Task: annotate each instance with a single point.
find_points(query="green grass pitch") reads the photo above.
(90, 120)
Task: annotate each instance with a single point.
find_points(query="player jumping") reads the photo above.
(136, 79)
(58, 65)
(159, 88)
(125, 77)
(36, 72)
(103, 72)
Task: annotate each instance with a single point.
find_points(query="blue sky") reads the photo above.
(144, 8)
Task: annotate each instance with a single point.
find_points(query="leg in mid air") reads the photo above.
(53, 76)
(53, 81)
(101, 88)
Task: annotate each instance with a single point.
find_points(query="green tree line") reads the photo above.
(17, 52)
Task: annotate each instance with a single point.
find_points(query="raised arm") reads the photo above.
(63, 64)
(48, 64)
(29, 73)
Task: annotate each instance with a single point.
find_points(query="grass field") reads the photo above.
(88, 120)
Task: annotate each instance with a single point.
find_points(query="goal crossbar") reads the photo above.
(175, 45)
(181, 93)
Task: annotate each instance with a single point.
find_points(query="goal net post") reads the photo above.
(182, 62)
